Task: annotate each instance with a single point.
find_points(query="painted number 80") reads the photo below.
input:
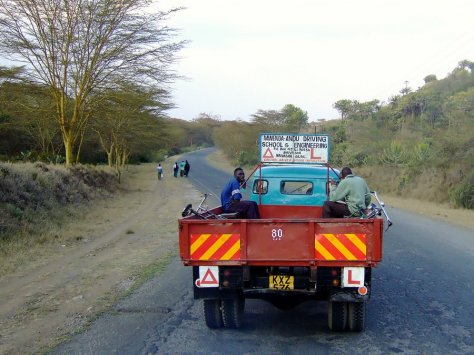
(277, 234)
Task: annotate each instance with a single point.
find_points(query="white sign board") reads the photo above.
(294, 148)
(353, 277)
(208, 276)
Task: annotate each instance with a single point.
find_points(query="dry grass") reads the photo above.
(36, 199)
(461, 217)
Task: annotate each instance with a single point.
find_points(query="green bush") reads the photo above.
(463, 194)
(247, 158)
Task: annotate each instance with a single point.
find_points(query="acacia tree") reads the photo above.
(295, 118)
(21, 100)
(78, 48)
(344, 107)
(270, 120)
(128, 118)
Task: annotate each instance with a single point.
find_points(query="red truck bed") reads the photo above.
(298, 240)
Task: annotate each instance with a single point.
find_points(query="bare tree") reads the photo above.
(79, 48)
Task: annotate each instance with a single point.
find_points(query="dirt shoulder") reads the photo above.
(461, 217)
(97, 258)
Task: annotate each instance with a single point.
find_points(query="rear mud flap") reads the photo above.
(348, 296)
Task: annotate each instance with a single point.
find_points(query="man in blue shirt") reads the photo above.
(231, 198)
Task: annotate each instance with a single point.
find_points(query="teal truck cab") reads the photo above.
(289, 255)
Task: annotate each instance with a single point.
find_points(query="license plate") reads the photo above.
(282, 282)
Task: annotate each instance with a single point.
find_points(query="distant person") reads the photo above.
(187, 167)
(348, 198)
(181, 168)
(159, 171)
(231, 198)
(175, 169)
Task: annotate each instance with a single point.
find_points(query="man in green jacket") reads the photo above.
(348, 198)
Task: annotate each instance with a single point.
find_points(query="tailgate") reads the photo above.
(316, 242)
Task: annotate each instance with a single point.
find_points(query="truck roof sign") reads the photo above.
(294, 148)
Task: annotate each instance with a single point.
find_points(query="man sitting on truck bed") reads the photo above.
(348, 198)
(231, 198)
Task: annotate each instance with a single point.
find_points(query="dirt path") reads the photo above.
(57, 294)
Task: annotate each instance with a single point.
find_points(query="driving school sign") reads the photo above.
(294, 148)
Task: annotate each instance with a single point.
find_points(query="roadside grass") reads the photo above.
(386, 181)
(148, 272)
(37, 199)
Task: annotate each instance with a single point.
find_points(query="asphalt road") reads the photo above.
(422, 303)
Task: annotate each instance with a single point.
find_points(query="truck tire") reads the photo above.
(337, 316)
(356, 316)
(232, 312)
(213, 313)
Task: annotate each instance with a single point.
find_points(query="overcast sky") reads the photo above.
(262, 54)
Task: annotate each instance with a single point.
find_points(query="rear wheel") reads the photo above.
(232, 312)
(213, 313)
(356, 316)
(337, 316)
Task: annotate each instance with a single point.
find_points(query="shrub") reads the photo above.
(248, 158)
(31, 193)
(463, 194)
(394, 155)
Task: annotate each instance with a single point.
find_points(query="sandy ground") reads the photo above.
(461, 217)
(108, 252)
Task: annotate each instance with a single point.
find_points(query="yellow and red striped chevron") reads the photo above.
(346, 246)
(215, 246)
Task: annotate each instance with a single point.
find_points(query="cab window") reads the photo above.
(260, 187)
(296, 187)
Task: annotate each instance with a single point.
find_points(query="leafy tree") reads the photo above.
(466, 64)
(127, 121)
(430, 78)
(294, 117)
(344, 107)
(78, 49)
(290, 119)
(28, 113)
(201, 128)
(363, 110)
(269, 120)
(237, 140)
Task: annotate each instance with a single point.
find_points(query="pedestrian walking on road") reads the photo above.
(159, 171)
(175, 169)
(181, 168)
(186, 168)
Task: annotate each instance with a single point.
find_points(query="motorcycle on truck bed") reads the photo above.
(291, 254)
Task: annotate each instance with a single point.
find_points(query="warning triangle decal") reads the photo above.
(268, 153)
(209, 278)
